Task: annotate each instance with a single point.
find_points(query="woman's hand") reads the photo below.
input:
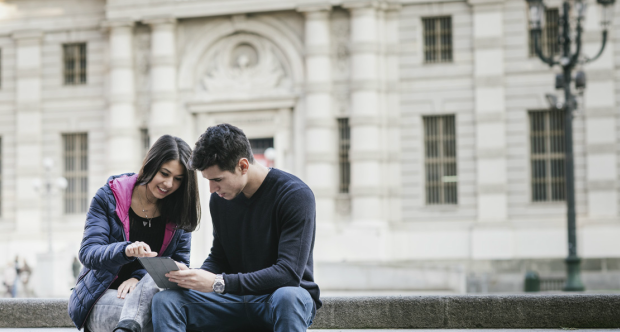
(139, 249)
(128, 286)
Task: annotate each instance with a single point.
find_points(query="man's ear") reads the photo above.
(244, 165)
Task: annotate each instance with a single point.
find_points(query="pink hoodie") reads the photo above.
(122, 188)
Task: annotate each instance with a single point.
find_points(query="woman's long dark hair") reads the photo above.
(182, 207)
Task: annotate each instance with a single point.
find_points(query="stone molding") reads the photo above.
(488, 43)
(322, 157)
(159, 20)
(490, 153)
(602, 185)
(318, 50)
(329, 123)
(600, 112)
(601, 148)
(489, 117)
(318, 87)
(314, 10)
(366, 155)
(118, 23)
(24, 35)
(228, 105)
(489, 81)
(489, 189)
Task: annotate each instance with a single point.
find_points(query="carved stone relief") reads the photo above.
(245, 65)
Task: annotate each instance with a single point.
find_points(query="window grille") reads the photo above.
(440, 160)
(547, 155)
(76, 172)
(549, 38)
(259, 145)
(344, 146)
(145, 141)
(437, 39)
(75, 63)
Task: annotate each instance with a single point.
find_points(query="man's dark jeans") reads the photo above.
(288, 309)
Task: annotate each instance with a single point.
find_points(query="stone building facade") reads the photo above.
(346, 93)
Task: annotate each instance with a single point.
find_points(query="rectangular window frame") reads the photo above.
(74, 64)
(549, 37)
(437, 39)
(440, 160)
(75, 170)
(547, 188)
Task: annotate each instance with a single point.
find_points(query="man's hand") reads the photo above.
(127, 286)
(196, 279)
(139, 249)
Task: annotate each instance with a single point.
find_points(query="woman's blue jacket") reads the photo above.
(102, 252)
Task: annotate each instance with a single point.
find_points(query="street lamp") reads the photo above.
(47, 187)
(568, 61)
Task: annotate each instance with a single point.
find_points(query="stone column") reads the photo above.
(123, 133)
(28, 132)
(601, 135)
(368, 229)
(164, 118)
(320, 125)
(490, 110)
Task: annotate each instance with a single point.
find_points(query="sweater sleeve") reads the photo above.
(216, 262)
(181, 255)
(96, 251)
(298, 214)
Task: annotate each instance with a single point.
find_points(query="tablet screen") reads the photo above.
(157, 267)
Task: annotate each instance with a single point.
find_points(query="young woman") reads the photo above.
(134, 215)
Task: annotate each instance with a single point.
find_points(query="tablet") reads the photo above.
(157, 267)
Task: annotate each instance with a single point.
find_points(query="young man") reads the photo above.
(259, 274)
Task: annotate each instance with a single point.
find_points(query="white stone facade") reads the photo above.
(288, 70)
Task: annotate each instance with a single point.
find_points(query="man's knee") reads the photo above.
(289, 297)
(165, 300)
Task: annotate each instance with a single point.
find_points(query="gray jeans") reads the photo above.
(136, 305)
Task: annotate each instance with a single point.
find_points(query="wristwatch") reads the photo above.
(218, 284)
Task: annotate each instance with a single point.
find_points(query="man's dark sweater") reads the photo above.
(265, 242)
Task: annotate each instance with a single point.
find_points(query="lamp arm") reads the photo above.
(575, 58)
(536, 34)
(601, 50)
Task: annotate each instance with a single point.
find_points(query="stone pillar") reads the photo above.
(321, 169)
(164, 118)
(392, 114)
(28, 132)
(368, 229)
(123, 133)
(490, 110)
(600, 126)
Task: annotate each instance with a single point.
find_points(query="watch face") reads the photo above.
(218, 287)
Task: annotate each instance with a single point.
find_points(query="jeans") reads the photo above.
(135, 307)
(288, 309)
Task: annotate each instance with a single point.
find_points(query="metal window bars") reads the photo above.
(547, 156)
(145, 140)
(75, 63)
(440, 160)
(550, 42)
(76, 172)
(437, 39)
(344, 164)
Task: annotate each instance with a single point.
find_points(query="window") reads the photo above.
(344, 164)
(145, 141)
(75, 63)
(549, 39)
(76, 172)
(259, 146)
(440, 160)
(547, 155)
(437, 39)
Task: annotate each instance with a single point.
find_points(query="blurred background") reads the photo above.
(432, 135)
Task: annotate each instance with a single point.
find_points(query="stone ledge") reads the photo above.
(412, 312)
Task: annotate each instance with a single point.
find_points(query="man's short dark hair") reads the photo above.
(222, 145)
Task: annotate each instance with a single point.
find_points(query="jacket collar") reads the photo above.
(122, 188)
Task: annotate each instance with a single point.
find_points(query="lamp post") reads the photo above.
(47, 187)
(568, 61)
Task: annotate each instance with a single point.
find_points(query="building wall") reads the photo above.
(357, 59)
